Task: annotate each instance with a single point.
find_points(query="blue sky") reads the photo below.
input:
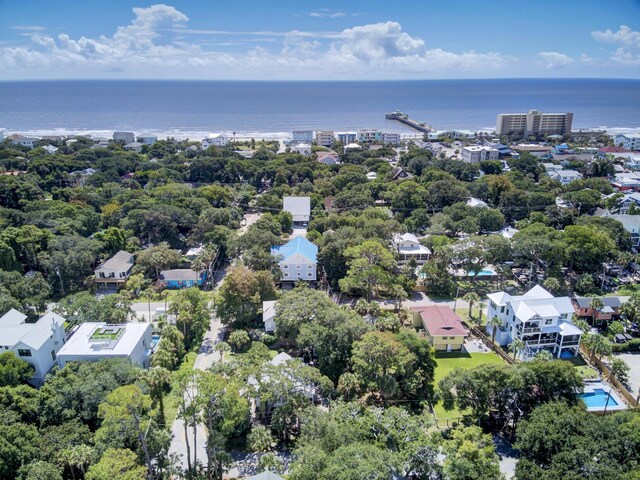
(285, 39)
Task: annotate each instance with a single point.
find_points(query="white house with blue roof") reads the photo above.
(297, 260)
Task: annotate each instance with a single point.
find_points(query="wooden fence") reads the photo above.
(487, 341)
(612, 379)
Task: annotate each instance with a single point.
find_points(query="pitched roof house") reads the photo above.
(298, 207)
(297, 259)
(37, 343)
(409, 247)
(443, 327)
(115, 270)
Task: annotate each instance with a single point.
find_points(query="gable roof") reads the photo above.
(298, 245)
(584, 302)
(441, 320)
(268, 309)
(14, 330)
(179, 274)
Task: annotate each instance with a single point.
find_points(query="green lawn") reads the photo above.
(447, 362)
(586, 371)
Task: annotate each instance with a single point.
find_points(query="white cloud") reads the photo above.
(157, 44)
(325, 13)
(624, 57)
(555, 59)
(28, 28)
(624, 35)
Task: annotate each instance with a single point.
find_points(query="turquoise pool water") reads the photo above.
(482, 273)
(154, 341)
(598, 398)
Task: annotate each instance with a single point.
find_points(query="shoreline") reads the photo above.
(198, 135)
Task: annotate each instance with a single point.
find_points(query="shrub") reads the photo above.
(239, 341)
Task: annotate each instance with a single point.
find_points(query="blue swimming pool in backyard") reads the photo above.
(598, 398)
(482, 273)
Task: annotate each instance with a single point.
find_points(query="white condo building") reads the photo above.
(391, 138)
(367, 135)
(538, 318)
(534, 122)
(475, 154)
(96, 341)
(37, 343)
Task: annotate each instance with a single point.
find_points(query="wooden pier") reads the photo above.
(404, 118)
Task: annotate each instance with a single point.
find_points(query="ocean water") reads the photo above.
(194, 108)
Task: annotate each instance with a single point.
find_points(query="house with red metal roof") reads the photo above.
(443, 327)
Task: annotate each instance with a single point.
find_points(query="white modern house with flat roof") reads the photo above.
(409, 248)
(476, 154)
(97, 341)
(147, 139)
(116, 270)
(298, 207)
(124, 137)
(538, 318)
(37, 343)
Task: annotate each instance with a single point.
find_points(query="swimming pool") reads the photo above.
(598, 398)
(485, 272)
(154, 341)
(598, 395)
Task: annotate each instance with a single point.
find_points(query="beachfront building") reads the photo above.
(297, 260)
(23, 141)
(94, 341)
(301, 136)
(115, 270)
(147, 139)
(443, 327)
(369, 135)
(269, 315)
(182, 278)
(534, 122)
(409, 248)
(347, 137)
(628, 141)
(476, 154)
(391, 138)
(324, 138)
(216, 140)
(298, 207)
(565, 176)
(50, 149)
(124, 137)
(37, 343)
(539, 319)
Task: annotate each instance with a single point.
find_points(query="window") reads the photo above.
(309, 274)
(548, 321)
(502, 309)
(24, 352)
(53, 355)
(298, 266)
(286, 267)
(286, 274)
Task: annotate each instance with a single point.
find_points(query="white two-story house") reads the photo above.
(538, 318)
(37, 343)
(408, 247)
(297, 260)
(115, 270)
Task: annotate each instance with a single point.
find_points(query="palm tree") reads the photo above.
(158, 378)
(599, 346)
(398, 294)
(552, 284)
(471, 297)
(77, 457)
(596, 305)
(517, 346)
(495, 323)
(260, 439)
(544, 355)
(222, 348)
(481, 306)
(362, 307)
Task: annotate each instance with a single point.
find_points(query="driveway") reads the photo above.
(206, 357)
(633, 360)
(249, 219)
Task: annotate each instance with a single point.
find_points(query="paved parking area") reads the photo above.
(633, 360)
